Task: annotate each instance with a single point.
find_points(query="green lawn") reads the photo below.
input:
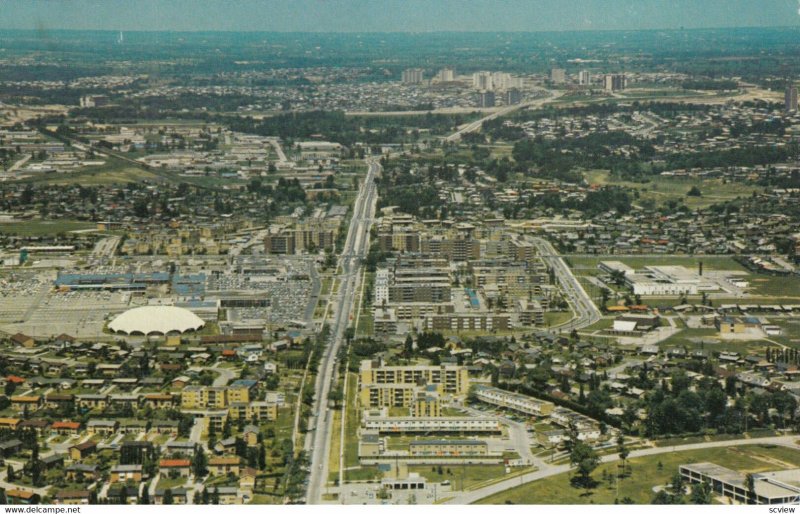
(362, 474)
(662, 189)
(284, 424)
(645, 474)
(170, 483)
(365, 325)
(556, 318)
(774, 286)
(42, 228)
(710, 262)
(461, 477)
(114, 171)
(352, 420)
(603, 324)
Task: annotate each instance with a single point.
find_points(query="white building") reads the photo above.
(381, 287)
(558, 75)
(482, 80)
(413, 76)
(514, 401)
(446, 75)
(403, 424)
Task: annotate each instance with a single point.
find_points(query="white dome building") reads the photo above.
(156, 320)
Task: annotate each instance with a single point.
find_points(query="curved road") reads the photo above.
(479, 494)
(476, 125)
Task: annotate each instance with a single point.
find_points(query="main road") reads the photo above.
(355, 250)
(476, 125)
(586, 312)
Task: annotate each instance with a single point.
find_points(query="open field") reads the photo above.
(710, 262)
(350, 428)
(114, 171)
(662, 189)
(462, 477)
(557, 318)
(775, 286)
(646, 473)
(44, 228)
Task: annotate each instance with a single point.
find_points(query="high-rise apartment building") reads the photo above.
(614, 82)
(486, 99)
(482, 80)
(790, 98)
(513, 96)
(558, 75)
(413, 76)
(446, 75)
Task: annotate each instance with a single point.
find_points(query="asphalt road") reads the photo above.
(350, 262)
(586, 312)
(478, 494)
(476, 125)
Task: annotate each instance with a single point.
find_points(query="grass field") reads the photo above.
(775, 286)
(710, 262)
(114, 171)
(603, 324)
(460, 477)
(556, 318)
(335, 450)
(646, 474)
(365, 325)
(351, 424)
(44, 228)
(662, 189)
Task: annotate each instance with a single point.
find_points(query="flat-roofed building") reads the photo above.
(611, 267)
(448, 448)
(427, 403)
(387, 395)
(257, 410)
(384, 321)
(454, 379)
(441, 425)
(513, 401)
(774, 487)
(530, 312)
(458, 322)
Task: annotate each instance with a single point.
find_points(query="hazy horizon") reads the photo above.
(409, 16)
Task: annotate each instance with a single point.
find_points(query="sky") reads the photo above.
(394, 15)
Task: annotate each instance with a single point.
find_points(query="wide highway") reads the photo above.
(350, 263)
(476, 125)
(586, 312)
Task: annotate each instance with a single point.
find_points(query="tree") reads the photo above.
(168, 499)
(145, 498)
(694, 191)
(10, 474)
(408, 348)
(662, 497)
(622, 451)
(750, 482)
(701, 494)
(677, 485)
(199, 462)
(586, 461)
(215, 496)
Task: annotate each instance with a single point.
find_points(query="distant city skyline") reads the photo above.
(395, 15)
